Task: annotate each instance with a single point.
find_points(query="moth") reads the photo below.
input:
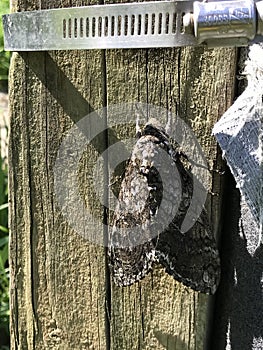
(154, 197)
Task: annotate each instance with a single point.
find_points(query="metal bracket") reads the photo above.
(136, 25)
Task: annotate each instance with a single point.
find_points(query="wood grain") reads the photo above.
(159, 313)
(60, 292)
(57, 278)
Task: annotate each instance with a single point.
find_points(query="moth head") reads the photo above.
(153, 126)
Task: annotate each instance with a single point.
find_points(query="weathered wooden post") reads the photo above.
(61, 293)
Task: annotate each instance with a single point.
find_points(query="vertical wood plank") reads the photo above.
(57, 277)
(158, 312)
(58, 283)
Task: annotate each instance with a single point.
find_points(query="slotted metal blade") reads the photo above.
(148, 24)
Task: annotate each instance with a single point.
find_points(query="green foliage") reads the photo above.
(4, 56)
(4, 267)
(4, 281)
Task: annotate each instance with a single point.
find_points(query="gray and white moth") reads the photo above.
(154, 197)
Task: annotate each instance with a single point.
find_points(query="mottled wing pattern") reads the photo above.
(149, 215)
(130, 261)
(191, 257)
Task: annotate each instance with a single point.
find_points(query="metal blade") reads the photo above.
(132, 25)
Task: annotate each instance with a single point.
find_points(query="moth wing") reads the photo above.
(129, 265)
(130, 260)
(191, 257)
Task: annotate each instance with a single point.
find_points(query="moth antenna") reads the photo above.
(168, 127)
(138, 129)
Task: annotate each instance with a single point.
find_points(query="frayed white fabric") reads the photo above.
(240, 135)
